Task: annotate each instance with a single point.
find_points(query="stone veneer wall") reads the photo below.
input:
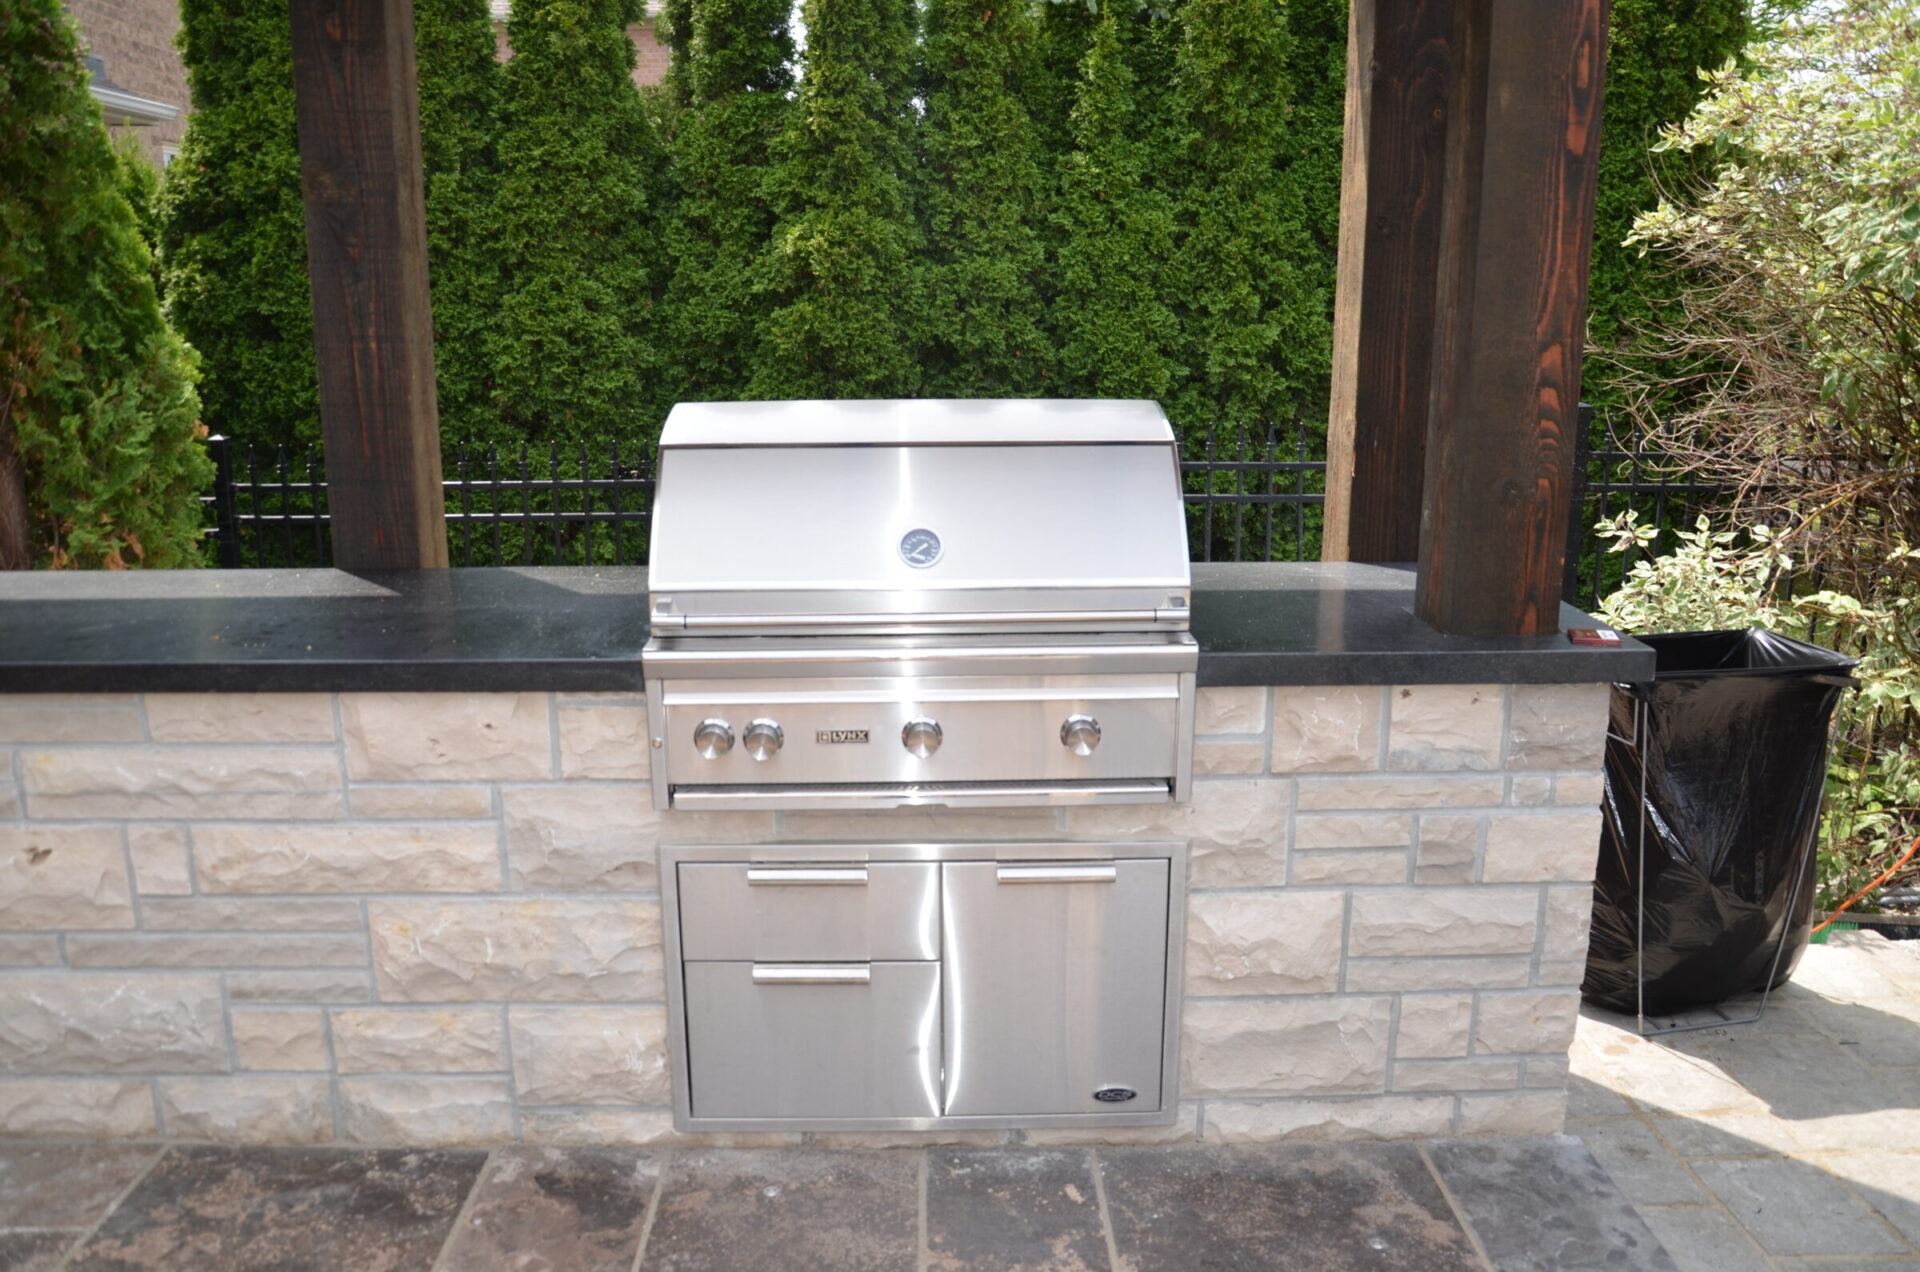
(433, 918)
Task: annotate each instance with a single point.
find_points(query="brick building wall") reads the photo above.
(134, 40)
(650, 64)
(651, 54)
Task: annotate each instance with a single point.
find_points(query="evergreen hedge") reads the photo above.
(1251, 281)
(232, 231)
(1119, 334)
(737, 104)
(100, 462)
(459, 127)
(983, 330)
(837, 273)
(1059, 197)
(573, 230)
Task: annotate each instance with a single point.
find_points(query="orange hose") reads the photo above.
(1886, 875)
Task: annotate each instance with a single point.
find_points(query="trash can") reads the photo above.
(1714, 773)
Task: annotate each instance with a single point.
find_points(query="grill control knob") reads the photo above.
(713, 738)
(1080, 734)
(762, 739)
(921, 736)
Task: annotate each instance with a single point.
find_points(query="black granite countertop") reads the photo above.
(581, 630)
(1319, 623)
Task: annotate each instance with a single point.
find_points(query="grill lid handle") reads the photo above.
(1172, 615)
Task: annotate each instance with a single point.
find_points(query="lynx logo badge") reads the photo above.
(839, 737)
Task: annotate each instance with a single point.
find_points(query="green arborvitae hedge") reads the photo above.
(459, 82)
(1061, 197)
(233, 234)
(980, 197)
(676, 24)
(1063, 30)
(140, 187)
(233, 242)
(738, 89)
(1250, 277)
(1119, 335)
(837, 274)
(574, 231)
(100, 460)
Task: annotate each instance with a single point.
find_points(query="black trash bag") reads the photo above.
(1735, 742)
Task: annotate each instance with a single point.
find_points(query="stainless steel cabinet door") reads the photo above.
(1056, 986)
(840, 1040)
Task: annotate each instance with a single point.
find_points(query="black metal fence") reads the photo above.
(527, 506)
(1610, 480)
(1257, 497)
(1249, 496)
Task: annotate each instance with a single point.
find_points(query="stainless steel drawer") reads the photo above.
(833, 1040)
(824, 913)
(1058, 986)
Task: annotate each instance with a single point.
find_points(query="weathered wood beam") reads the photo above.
(358, 113)
(1390, 185)
(1516, 241)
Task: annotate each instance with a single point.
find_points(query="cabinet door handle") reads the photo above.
(1102, 873)
(803, 876)
(812, 973)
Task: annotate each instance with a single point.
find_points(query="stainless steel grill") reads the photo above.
(882, 604)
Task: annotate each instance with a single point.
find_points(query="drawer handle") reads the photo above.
(816, 876)
(1058, 874)
(812, 973)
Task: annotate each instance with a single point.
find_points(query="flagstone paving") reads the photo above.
(1441, 1207)
(1790, 1143)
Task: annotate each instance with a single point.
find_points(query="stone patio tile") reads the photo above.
(1317, 1206)
(1804, 1077)
(1888, 1181)
(1013, 1210)
(1646, 1170)
(64, 1185)
(1795, 1208)
(1855, 979)
(746, 1210)
(581, 1209)
(1730, 1135)
(1660, 1077)
(269, 1210)
(1883, 1034)
(1587, 1098)
(33, 1251)
(1896, 1126)
(1704, 1239)
(1847, 1265)
(1546, 1204)
(1897, 962)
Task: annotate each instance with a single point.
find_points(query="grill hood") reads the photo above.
(918, 517)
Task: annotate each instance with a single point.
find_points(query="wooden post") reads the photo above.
(1515, 245)
(358, 111)
(1390, 200)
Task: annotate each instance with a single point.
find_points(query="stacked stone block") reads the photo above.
(434, 918)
